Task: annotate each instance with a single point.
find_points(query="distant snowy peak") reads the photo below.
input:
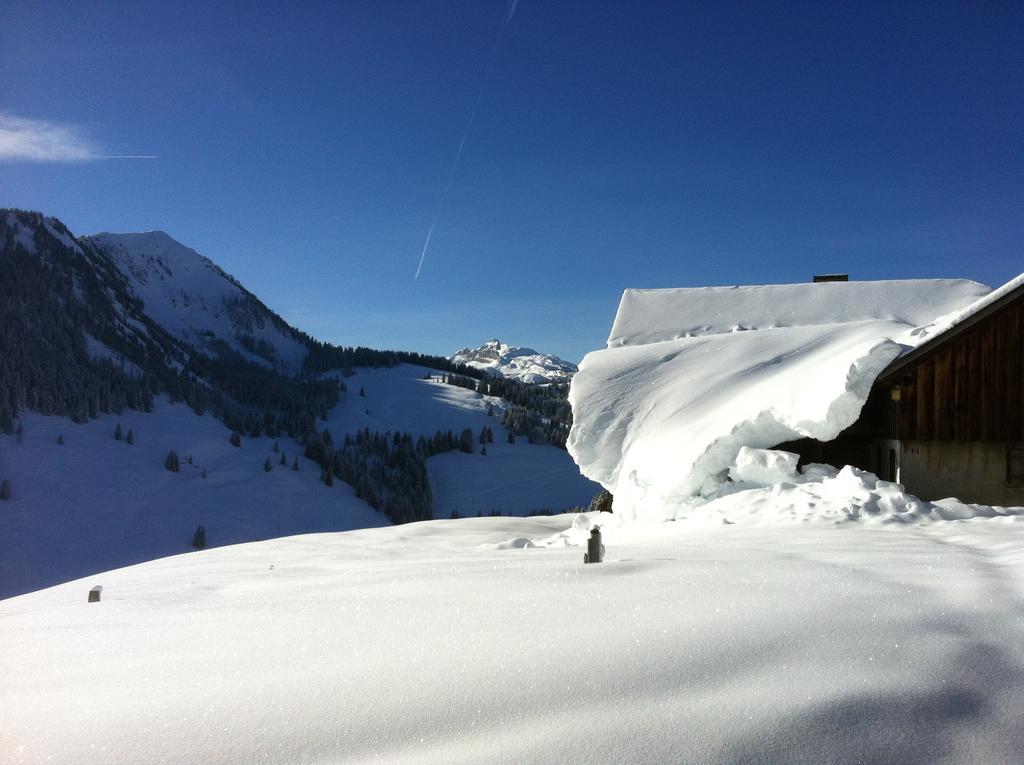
(524, 364)
(195, 300)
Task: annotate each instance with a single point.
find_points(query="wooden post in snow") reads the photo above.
(594, 547)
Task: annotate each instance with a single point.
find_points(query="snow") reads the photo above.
(654, 315)
(98, 351)
(767, 490)
(511, 478)
(190, 297)
(462, 642)
(767, 466)
(63, 238)
(22, 234)
(523, 364)
(94, 503)
(692, 375)
(951, 320)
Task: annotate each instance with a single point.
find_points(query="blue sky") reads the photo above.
(616, 145)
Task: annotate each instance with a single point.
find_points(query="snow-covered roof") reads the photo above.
(692, 375)
(650, 316)
(951, 324)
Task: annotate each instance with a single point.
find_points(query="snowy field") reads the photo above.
(512, 478)
(449, 642)
(94, 503)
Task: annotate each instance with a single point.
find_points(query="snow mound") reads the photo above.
(818, 494)
(690, 376)
(763, 465)
(523, 364)
(849, 496)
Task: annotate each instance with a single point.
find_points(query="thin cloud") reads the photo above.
(510, 11)
(29, 140)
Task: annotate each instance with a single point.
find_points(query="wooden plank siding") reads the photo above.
(970, 387)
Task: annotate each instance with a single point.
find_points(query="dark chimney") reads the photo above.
(831, 278)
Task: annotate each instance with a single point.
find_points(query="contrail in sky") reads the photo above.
(510, 11)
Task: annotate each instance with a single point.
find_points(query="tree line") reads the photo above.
(540, 412)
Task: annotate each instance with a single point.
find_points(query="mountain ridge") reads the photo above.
(515, 362)
(196, 300)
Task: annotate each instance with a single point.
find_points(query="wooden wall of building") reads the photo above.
(970, 387)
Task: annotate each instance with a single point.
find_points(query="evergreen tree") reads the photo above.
(171, 462)
(267, 467)
(466, 441)
(117, 432)
(236, 438)
(276, 447)
(199, 538)
(284, 459)
(602, 502)
(60, 439)
(295, 465)
(511, 436)
(130, 438)
(362, 392)
(5, 489)
(483, 450)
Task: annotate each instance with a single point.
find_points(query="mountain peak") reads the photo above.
(517, 362)
(194, 299)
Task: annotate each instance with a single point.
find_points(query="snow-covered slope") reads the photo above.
(193, 299)
(692, 375)
(94, 503)
(103, 324)
(523, 364)
(428, 643)
(517, 478)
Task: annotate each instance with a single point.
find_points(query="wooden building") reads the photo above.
(947, 418)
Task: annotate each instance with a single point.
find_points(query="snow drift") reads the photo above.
(692, 375)
(425, 644)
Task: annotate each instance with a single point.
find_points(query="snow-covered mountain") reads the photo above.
(515, 362)
(194, 300)
(137, 334)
